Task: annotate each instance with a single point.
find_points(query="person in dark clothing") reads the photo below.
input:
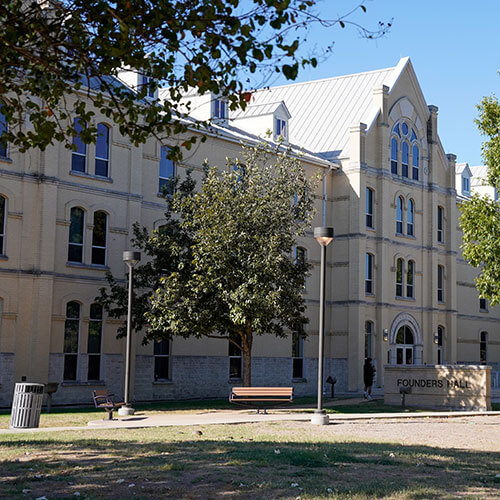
(368, 374)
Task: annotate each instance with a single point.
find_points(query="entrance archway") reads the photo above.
(405, 341)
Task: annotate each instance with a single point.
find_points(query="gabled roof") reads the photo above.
(323, 110)
(267, 108)
(462, 167)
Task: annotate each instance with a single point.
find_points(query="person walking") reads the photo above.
(368, 374)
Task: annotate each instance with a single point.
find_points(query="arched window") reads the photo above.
(369, 208)
(369, 273)
(99, 234)
(3, 219)
(71, 340)
(368, 339)
(102, 151)
(297, 355)
(79, 155)
(440, 336)
(409, 218)
(410, 277)
(399, 215)
(483, 348)
(404, 348)
(94, 342)
(3, 130)
(167, 172)
(404, 159)
(440, 283)
(399, 277)
(75, 245)
(415, 162)
(394, 156)
(440, 224)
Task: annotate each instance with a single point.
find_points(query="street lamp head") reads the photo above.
(131, 258)
(323, 235)
(385, 334)
(436, 338)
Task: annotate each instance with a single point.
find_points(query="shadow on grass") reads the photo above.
(243, 468)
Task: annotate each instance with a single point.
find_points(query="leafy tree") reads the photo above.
(233, 275)
(480, 217)
(60, 59)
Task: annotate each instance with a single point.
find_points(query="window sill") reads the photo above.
(480, 310)
(301, 380)
(91, 176)
(3, 257)
(81, 265)
(5, 159)
(163, 382)
(369, 294)
(408, 299)
(370, 229)
(166, 195)
(74, 383)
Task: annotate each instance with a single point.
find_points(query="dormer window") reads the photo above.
(220, 109)
(281, 128)
(145, 82)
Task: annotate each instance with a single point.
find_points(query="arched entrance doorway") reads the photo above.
(404, 346)
(405, 341)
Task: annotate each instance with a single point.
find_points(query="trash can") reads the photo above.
(26, 406)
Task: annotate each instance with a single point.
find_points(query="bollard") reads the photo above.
(332, 381)
(404, 391)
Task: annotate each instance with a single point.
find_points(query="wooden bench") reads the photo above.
(103, 399)
(258, 397)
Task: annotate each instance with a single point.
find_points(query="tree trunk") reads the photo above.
(246, 349)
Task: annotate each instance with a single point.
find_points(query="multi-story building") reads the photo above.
(398, 290)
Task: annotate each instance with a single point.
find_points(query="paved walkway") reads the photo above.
(166, 419)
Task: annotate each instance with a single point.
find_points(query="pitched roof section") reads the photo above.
(265, 108)
(323, 110)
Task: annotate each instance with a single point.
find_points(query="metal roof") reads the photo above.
(323, 110)
(266, 108)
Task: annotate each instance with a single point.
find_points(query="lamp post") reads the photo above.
(323, 235)
(131, 259)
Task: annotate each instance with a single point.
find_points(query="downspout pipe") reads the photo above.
(324, 193)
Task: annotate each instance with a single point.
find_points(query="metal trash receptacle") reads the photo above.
(26, 406)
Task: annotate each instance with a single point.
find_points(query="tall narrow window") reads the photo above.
(3, 130)
(415, 160)
(440, 224)
(394, 156)
(102, 151)
(3, 218)
(483, 348)
(369, 273)
(298, 355)
(235, 360)
(440, 336)
(440, 291)
(369, 208)
(146, 82)
(94, 342)
(300, 255)
(409, 218)
(99, 238)
(399, 215)
(404, 159)
(410, 277)
(79, 155)
(280, 126)
(399, 277)
(220, 109)
(483, 304)
(167, 172)
(162, 359)
(75, 246)
(71, 339)
(368, 339)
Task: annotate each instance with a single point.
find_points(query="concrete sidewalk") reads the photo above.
(167, 419)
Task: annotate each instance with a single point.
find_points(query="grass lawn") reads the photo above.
(247, 461)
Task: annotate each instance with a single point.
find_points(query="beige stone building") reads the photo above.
(398, 288)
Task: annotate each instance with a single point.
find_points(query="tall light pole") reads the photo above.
(323, 235)
(131, 259)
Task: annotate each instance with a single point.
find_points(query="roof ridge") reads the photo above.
(329, 78)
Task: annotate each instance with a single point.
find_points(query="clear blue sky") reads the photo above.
(454, 47)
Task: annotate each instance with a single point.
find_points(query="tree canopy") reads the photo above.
(228, 250)
(480, 217)
(62, 59)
